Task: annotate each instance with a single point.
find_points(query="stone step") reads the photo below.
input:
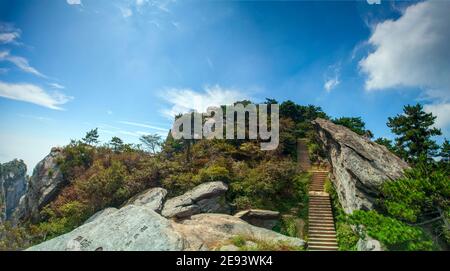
(322, 231)
(319, 216)
(321, 220)
(322, 238)
(320, 208)
(321, 228)
(325, 243)
(322, 248)
(322, 235)
(320, 204)
(320, 211)
(324, 224)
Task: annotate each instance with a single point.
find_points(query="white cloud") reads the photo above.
(33, 94)
(8, 33)
(331, 83)
(74, 2)
(56, 85)
(8, 37)
(20, 62)
(332, 77)
(140, 2)
(371, 2)
(142, 125)
(441, 111)
(185, 100)
(126, 12)
(412, 51)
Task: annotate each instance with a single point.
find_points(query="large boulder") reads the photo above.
(212, 231)
(204, 198)
(13, 185)
(152, 198)
(260, 218)
(100, 214)
(139, 228)
(368, 244)
(130, 228)
(359, 165)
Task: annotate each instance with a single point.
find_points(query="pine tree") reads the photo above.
(91, 137)
(445, 151)
(415, 130)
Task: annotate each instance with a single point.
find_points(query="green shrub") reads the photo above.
(346, 237)
(395, 234)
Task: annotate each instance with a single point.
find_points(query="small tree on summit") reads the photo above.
(151, 142)
(91, 137)
(414, 129)
(116, 144)
(356, 124)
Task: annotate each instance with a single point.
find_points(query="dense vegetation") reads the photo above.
(413, 212)
(107, 175)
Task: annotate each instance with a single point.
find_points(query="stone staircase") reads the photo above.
(321, 233)
(303, 155)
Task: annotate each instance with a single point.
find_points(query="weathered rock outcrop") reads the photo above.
(13, 185)
(204, 198)
(130, 228)
(260, 218)
(368, 244)
(100, 214)
(359, 165)
(43, 186)
(152, 198)
(212, 231)
(139, 228)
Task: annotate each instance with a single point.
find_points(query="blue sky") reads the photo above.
(67, 66)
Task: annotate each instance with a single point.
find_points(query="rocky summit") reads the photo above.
(13, 185)
(359, 166)
(139, 227)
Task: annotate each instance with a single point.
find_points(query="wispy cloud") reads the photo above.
(143, 125)
(39, 118)
(332, 77)
(56, 85)
(126, 12)
(185, 100)
(20, 62)
(8, 33)
(74, 2)
(372, 2)
(33, 94)
(331, 83)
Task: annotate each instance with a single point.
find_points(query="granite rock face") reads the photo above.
(130, 228)
(45, 184)
(204, 198)
(152, 198)
(260, 218)
(212, 231)
(140, 228)
(13, 186)
(359, 166)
